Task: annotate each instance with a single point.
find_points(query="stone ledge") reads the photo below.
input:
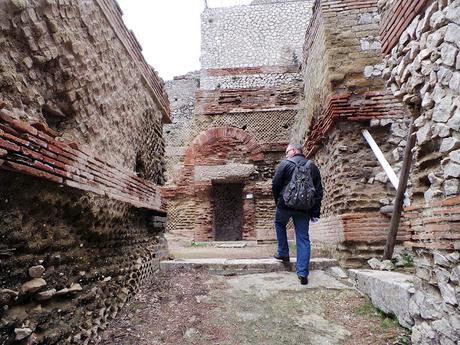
(388, 291)
(35, 149)
(244, 266)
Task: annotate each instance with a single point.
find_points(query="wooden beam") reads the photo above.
(398, 204)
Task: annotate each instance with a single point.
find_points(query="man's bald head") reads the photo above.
(293, 149)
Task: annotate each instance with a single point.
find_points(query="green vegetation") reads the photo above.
(408, 260)
(198, 244)
(402, 340)
(385, 322)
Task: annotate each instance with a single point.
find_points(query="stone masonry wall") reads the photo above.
(422, 67)
(355, 189)
(95, 252)
(218, 155)
(344, 95)
(423, 70)
(181, 93)
(254, 35)
(84, 79)
(81, 163)
(249, 89)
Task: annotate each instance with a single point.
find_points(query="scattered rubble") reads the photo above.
(22, 333)
(33, 285)
(36, 271)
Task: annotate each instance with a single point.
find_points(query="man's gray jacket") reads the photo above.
(283, 176)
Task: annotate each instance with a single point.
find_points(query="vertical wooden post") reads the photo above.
(398, 205)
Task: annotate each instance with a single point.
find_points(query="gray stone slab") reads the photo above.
(264, 285)
(232, 245)
(388, 291)
(244, 266)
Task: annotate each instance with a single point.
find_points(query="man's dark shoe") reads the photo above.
(303, 280)
(282, 258)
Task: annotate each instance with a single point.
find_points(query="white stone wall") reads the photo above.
(260, 2)
(424, 71)
(181, 93)
(434, 304)
(254, 35)
(248, 81)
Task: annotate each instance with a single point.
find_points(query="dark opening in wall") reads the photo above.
(140, 168)
(228, 211)
(56, 116)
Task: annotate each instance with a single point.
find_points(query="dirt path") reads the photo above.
(192, 307)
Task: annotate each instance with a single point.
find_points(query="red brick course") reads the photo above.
(396, 19)
(34, 152)
(434, 226)
(221, 133)
(371, 105)
(212, 102)
(218, 72)
(360, 227)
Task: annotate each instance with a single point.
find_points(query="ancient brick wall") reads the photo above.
(422, 69)
(250, 90)
(344, 95)
(397, 17)
(81, 164)
(95, 253)
(218, 155)
(314, 66)
(356, 188)
(341, 55)
(59, 65)
(358, 184)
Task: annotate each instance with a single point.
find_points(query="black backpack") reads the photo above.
(300, 193)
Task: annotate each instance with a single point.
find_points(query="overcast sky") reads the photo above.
(169, 31)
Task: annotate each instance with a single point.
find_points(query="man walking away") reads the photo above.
(298, 198)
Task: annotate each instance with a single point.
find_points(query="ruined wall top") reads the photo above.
(75, 67)
(249, 36)
(268, 2)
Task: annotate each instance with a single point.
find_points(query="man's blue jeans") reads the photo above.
(301, 221)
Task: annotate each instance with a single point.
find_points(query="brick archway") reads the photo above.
(205, 137)
(197, 153)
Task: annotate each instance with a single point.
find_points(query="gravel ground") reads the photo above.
(193, 307)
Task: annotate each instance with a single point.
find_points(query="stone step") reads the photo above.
(388, 291)
(244, 266)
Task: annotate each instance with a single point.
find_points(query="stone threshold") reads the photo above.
(244, 266)
(389, 291)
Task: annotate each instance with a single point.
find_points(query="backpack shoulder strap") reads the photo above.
(297, 164)
(306, 162)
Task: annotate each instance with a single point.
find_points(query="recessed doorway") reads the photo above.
(228, 211)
